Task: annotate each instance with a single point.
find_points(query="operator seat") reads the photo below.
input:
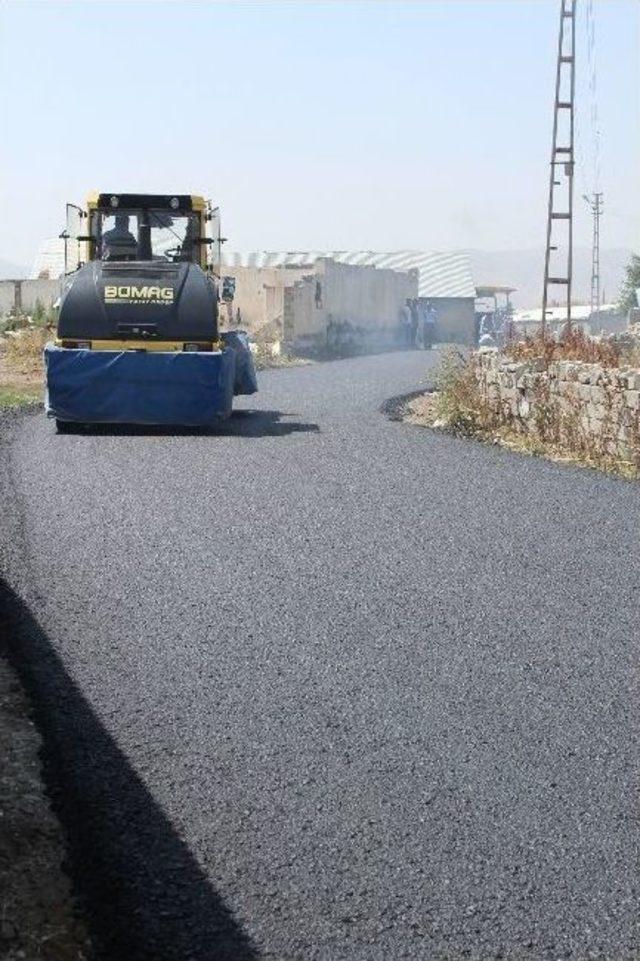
(120, 249)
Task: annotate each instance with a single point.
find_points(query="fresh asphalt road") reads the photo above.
(326, 686)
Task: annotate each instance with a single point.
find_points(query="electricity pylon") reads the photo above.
(562, 160)
(595, 203)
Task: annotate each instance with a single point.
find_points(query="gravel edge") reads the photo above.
(40, 918)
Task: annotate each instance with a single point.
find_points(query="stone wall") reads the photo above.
(582, 406)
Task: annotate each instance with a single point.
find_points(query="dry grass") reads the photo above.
(573, 345)
(23, 351)
(457, 401)
(21, 372)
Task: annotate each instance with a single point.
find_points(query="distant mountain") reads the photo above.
(524, 269)
(9, 271)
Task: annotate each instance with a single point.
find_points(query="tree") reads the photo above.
(630, 284)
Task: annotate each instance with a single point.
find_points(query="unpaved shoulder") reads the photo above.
(38, 916)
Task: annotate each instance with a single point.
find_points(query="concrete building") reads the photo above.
(259, 302)
(277, 291)
(294, 297)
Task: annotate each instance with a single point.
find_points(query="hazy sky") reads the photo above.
(313, 125)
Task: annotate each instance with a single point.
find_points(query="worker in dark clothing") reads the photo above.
(415, 323)
(119, 243)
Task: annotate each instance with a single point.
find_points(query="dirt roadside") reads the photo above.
(39, 920)
(20, 383)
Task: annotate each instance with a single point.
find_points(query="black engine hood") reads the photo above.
(105, 301)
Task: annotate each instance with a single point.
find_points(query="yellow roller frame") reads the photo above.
(168, 346)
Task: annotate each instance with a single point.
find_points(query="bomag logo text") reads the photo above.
(129, 294)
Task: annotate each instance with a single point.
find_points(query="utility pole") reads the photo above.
(596, 204)
(562, 162)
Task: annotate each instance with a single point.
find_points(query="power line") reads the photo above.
(594, 118)
(588, 125)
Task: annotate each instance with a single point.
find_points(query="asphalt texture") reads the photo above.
(325, 686)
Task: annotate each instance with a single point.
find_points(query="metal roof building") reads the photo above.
(440, 274)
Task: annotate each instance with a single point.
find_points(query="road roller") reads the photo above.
(138, 338)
